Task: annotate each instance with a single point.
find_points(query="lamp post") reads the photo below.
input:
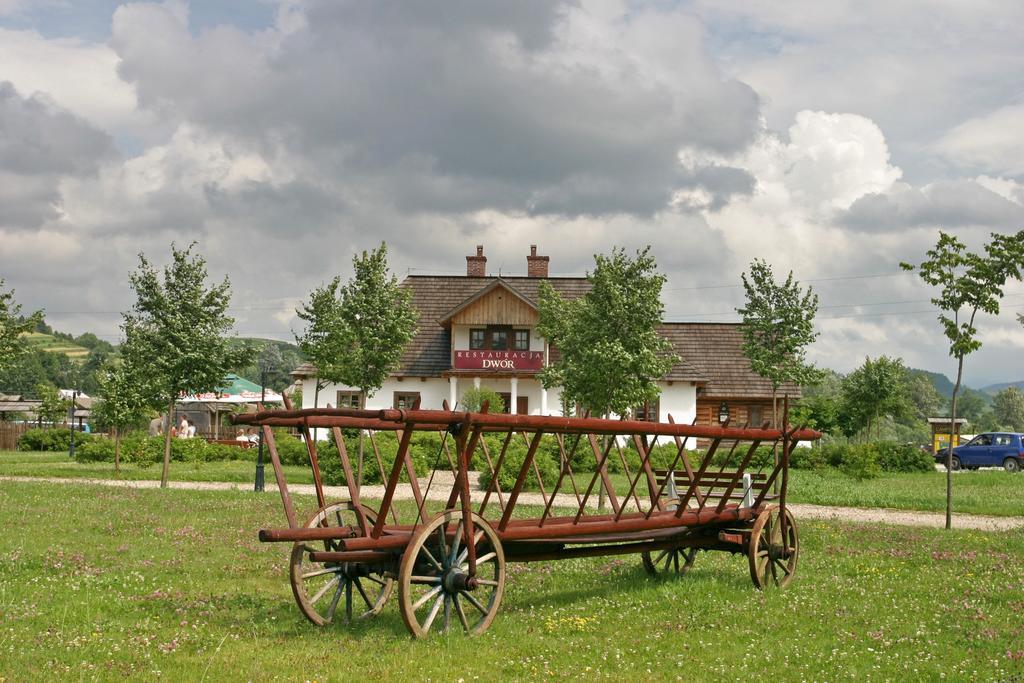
(71, 422)
(259, 455)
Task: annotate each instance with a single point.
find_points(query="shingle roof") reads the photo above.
(710, 353)
(434, 296)
(716, 350)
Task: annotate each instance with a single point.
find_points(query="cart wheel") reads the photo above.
(319, 587)
(433, 581)
(772, 562)
(669, 561)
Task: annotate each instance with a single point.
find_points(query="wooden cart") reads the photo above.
(450, 566)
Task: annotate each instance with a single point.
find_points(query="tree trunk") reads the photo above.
(949, 449)
(362, 446)
(117, 450)
(167, 444)
(775, 445)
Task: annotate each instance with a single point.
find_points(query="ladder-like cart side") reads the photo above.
(451, 565)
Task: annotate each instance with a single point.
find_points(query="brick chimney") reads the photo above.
(476, 266)
(536, 266)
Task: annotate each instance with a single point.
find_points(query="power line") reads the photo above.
(820, 279)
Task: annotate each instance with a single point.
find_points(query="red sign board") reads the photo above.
(499, 360)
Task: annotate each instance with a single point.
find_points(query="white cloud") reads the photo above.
(993, 143)
(78, 75)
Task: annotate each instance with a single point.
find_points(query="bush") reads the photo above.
(893, 457)
(291, 450)
(813, 458)
(55, 440)
(424, 449)
(143, 450)
(861, 462)
(547, 464)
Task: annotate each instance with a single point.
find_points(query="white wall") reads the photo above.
(680, 400)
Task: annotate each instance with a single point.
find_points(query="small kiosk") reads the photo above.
(941, 432)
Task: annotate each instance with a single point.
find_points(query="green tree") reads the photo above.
(1008, 406)
(610, 353)
(973, 405)
(175, 335)
(819, 407)
(968, 283)
(473, 400)
(778, 326)
(323, 340)
(12, 326)
(123, 400)
(925, 399)
(24, 374)
(53, 409)
(875, 390)
(378, 322)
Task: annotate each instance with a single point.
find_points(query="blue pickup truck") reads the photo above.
(991, 449)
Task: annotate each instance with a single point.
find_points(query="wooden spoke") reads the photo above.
(430, 558)
(461, 614)
(423, 597)
(473, 601)
(773, 554)
(362, 593)
(426, 596)
(465, 552)
(312, 581)
(432, 580)
(323, 591)
(318, 572)
(669, 562)
(433, 612)
(334, 603)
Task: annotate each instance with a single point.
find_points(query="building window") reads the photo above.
(494, 338)
(755, 416)
(521, 340)
(348, 399)
(477, 339)
(499, 339)
(405, 400)
(507, 400)
(648, 412)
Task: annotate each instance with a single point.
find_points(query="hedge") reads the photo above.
(52, 440)
(143, 450)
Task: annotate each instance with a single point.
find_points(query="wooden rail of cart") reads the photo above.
(450, 565)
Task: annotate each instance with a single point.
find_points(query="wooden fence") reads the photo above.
(10, 432)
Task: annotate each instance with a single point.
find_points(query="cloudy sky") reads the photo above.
(833, 139)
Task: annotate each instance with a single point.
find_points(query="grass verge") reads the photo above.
(110, 584)
(37, 464)
(992, 492)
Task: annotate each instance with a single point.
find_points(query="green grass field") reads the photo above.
(987, 493)
(36, 464)
(48, 342)
(113, 584)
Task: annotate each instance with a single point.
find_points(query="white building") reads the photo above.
(480, 331)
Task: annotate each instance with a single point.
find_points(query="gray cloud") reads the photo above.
(39, 143)
(949, 204)
(491, 106)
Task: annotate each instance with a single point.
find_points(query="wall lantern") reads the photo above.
(723, 412)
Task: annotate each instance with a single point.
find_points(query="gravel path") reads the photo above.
(442, 486)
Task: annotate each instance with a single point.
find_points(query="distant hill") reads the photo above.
(941, 383)
(993, 389)
(48, 342)
(279, 377)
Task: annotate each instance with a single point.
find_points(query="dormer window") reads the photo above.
(477, 339)
(498, 338)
